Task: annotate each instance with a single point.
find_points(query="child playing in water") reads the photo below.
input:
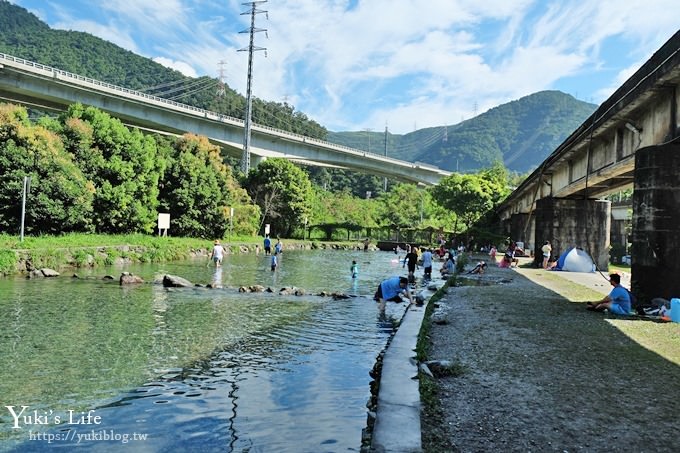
(354, 269)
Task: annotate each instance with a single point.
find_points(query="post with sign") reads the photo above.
(27, 187)
(231, 223)
(163, 223)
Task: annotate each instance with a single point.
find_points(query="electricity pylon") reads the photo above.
(245, 159)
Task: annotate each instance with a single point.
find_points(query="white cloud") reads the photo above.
(180, 66)
(359, 64)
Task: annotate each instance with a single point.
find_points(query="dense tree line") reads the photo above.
(90, 173)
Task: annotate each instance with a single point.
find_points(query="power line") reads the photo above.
(165, 84)
(203, 87)
(198, 83)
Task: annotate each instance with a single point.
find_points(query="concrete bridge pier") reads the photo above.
(520, 231)
(574, 223)
(655, 263)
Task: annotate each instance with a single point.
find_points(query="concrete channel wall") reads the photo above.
(397, 425)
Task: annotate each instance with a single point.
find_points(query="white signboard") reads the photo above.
(163, 223)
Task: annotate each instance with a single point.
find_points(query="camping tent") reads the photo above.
(575, 260)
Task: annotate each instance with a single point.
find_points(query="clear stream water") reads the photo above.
(146, 368)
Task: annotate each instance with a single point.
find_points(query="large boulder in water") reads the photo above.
(173, 281)
(127, 278)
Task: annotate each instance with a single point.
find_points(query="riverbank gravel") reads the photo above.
(535, 371)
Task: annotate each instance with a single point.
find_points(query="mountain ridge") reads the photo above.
(520, 133)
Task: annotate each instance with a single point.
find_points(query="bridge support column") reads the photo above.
(256, 160)
(519, 231)
(656, 223)
(573, 223)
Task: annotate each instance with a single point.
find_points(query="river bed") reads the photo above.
(156, 369)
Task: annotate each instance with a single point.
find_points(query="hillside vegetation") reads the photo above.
(521, 134)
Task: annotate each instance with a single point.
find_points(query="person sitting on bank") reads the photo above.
(448, 267)
(617, 301)
(391, 289)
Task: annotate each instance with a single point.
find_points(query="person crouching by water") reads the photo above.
(217, 254)
(390, 289)
(479, 268)
(275, 262)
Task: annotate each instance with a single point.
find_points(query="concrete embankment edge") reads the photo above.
(397, 424)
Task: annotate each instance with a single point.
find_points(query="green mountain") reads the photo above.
(521, 134)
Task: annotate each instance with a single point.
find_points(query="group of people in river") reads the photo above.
(218, 251)
(392, 288)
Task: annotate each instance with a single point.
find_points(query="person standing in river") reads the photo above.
(267, 245)
(354, 269)
(427, 264)
(217, 254)
(411, 261)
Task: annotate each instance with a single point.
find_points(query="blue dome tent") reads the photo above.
(575, 260)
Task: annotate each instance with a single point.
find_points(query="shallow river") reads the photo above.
(145, 368)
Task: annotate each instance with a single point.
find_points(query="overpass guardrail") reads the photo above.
(108, 88)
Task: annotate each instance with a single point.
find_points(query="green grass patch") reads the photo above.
(8, 262)
(423, 343)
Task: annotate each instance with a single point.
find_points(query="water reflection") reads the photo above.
(200, 368)
(217, 278)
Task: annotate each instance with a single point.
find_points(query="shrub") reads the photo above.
(461, 260)
(8, 262)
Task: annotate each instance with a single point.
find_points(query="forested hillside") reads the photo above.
(521, 134)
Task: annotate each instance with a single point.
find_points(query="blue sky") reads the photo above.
(404, 64)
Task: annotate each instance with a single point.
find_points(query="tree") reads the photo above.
(342, 210)
(283, 192)
(198, 190)
(469, 196)
(60, 198)
(401, 207)
(123, 165)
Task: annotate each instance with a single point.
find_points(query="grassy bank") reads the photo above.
(93, 250)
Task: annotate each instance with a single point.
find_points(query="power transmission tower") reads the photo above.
(245, 159)
(385, 179)
(221, 90)
(368, 135)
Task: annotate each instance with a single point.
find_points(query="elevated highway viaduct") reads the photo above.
(33, 84)
(630, 141)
